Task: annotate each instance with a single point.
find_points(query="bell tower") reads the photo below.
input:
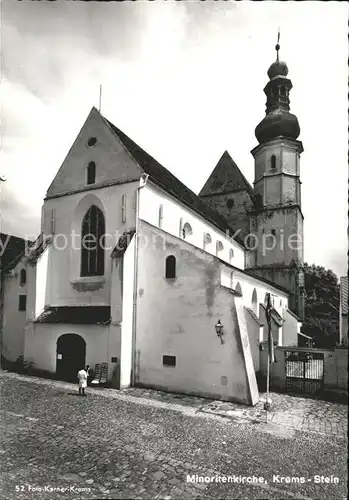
(278, 218)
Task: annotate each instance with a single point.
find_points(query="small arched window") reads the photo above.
(207, 239)
(92, 243)
(22, 277)
(91, 173)
(231, 255)
(219, 247)
(238, 289)
(186, 231)
(273, 161)
(170, 268)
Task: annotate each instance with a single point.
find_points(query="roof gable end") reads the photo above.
(226, 177)
(96, 143)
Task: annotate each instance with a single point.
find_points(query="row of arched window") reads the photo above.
(186, 231)
(254, 301)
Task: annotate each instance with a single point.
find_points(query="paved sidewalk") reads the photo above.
(287, 411)
(144, 444)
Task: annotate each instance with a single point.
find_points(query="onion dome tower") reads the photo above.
(278, 120)
(278, 219)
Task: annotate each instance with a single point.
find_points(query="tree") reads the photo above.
(321, 305)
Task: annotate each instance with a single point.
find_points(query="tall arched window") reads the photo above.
(238, 289)
(231, 255)
(273, 161)
(22, 277)
(92, 243)
(170, 270)
(254, 301)
(91, 173)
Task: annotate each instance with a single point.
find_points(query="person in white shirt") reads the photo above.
(82, 378)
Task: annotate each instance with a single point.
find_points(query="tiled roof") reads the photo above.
(85, 315)
(167, 181)
(252, 273)
(254, 316)
(225, 178)
(13, 249)
(122, 244)
(344, 294)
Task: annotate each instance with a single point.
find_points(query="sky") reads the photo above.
(185, 81)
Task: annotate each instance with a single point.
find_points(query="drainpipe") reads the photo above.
(142, 182)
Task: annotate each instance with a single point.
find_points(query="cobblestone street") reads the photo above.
(140, 443)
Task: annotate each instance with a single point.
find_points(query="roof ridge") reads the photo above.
(165, 179)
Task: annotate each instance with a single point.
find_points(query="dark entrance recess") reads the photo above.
(71, 356)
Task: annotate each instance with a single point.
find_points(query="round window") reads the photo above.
(92, 141)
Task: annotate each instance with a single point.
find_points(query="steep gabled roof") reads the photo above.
(13, 249)
(167, 181)
(226, 177)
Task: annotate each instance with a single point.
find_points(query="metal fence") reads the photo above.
(304, 372)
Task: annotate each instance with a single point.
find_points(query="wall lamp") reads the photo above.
(219, 330)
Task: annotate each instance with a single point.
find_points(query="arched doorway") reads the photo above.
(71, 356)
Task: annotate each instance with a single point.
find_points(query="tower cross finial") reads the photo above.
(277, 46)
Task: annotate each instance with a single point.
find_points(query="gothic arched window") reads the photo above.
(170, 271)
(91, 173)
(92, 243)
(254, 301)
(231, 255)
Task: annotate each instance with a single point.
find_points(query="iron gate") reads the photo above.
(304, 372)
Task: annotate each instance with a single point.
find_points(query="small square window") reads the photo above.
(169, 360)
(22, 303)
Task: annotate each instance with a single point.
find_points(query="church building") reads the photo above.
(166, 287)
